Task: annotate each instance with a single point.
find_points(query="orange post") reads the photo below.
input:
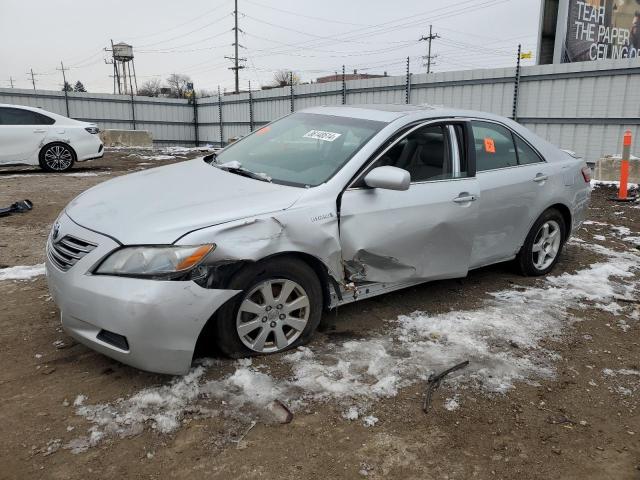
(624, 165)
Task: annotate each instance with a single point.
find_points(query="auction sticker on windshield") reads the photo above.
(322, 135)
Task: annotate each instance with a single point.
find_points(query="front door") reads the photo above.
(425, 232)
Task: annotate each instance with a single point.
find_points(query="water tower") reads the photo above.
(122, 54)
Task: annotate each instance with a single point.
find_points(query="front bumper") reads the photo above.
(161, 320)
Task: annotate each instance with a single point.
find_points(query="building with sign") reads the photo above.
(588, 30)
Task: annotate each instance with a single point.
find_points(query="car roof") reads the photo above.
(391, 112)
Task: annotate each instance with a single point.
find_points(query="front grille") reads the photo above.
(65, 252)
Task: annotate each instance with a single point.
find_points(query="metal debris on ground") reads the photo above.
(434, 382)
(18, 207)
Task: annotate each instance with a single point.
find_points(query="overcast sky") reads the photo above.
(313, 38)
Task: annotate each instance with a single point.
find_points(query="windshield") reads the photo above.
(302, 149)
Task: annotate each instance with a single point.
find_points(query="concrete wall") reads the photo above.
(584, 107)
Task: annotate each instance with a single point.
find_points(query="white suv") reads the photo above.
(33, 136)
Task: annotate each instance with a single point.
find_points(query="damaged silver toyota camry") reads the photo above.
(320, 208)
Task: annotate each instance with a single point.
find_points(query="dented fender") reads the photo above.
(311, 230)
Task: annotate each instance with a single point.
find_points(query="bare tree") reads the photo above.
(178, 85)
(151, 88)
(282, 78)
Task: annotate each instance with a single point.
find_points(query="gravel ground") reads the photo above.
(580, 422)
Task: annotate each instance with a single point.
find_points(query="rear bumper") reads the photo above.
(161, 320)
(89, 149)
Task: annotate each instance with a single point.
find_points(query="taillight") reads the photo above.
(586, 174)
(93, 130)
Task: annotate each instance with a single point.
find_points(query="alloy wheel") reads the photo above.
(58, 158)
(273, 315)
(546, 244)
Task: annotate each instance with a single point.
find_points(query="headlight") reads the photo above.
(93, 130)
(154, 261)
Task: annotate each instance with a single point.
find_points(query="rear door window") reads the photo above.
(494, 146)
(526, 154)
(17, 116)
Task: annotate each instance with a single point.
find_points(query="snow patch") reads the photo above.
(502, 340)
(369, 421)
(452, 403)
(22, 272)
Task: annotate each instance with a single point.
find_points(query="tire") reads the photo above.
(261, 327)
(57, 157)
(543, 245)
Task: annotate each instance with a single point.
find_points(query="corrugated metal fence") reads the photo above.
(584, 107)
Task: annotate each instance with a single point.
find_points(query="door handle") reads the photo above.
(541, 178)
(464, 199)
(39, 130)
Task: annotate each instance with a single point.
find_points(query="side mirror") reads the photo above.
(389, 178)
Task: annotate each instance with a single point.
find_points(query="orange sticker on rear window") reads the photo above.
(263, 130)
(489, 146)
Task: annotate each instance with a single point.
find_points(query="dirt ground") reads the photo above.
(566, 427)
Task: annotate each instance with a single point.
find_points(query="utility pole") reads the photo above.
(33, 78)
(236, 59)
(64, 85)
(516, 86)
(11, 81)
(432, 36)
(116, 71)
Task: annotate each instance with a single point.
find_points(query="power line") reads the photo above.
(175, 27)
(429, 38)
(184, 34)
(306, 16)
(385, 27)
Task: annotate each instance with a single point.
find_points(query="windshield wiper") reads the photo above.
(235, 167)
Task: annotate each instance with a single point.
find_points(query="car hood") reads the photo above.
(160, 205)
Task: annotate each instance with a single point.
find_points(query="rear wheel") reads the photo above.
(543, 245)
(279, 308)
(57, 157)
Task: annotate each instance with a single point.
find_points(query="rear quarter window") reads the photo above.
(526, 154)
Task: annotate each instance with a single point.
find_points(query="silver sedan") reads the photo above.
(323, 207)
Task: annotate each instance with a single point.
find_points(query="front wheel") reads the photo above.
(56, 157)
(279, 308)
(543, 245)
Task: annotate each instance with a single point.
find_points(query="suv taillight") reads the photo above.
(93, 130)
(586, 174)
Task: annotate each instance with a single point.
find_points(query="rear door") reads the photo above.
(513, 179)
(21, 133)
(422, 233)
